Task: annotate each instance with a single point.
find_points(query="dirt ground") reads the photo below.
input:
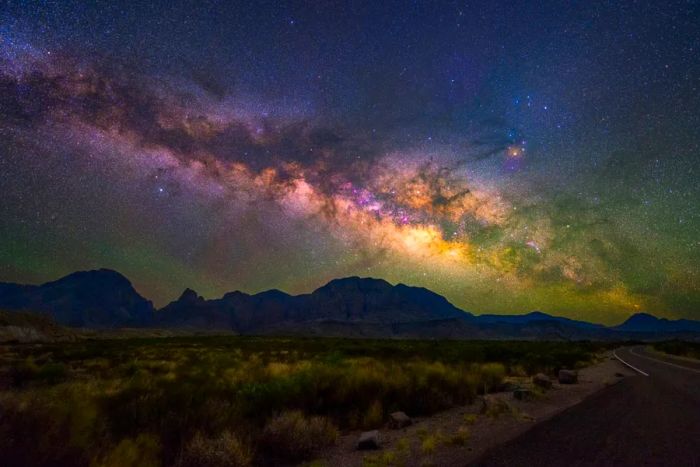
(461, 434)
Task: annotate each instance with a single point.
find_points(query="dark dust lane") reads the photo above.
(652, 420)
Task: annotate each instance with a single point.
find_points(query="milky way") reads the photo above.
(458, 148)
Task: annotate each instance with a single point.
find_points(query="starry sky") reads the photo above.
(511, 156)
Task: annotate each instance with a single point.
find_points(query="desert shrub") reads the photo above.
(57, 426)
(29, 371)
(382, 459)
(224, 450)
(498, 407)
(460, 437)
(680, 348)
(517, 370)
(173, 409)
(397, 457)
(363, 381)
(92, 401)
(25, 371)
(294, 437)
(374, 416)
(430, 442)
(315, 463)
(491, 375)
(267, 396)
(470, 418)
(143, 451)
(52, 373)
(435, 386)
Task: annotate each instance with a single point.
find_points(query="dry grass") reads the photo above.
(460, 437)
(397, 457)
(499, 407)
(294, 437)
(470, 418)
(143, 451)
(223, 450)
(680, 349)
(233, 400)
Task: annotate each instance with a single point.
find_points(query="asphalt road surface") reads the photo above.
(643, 420)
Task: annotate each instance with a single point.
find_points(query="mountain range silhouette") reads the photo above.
(347, 307)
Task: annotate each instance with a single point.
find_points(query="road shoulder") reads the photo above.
(650, 352)
(462, 434)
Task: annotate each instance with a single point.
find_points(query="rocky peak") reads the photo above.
(189, 296)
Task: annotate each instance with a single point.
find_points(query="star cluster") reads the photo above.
(509, 157)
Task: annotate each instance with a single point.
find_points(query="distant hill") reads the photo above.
(646, 323)
(353, 300)
(93, 299)
(18, 326)
(348, 307)
(537, 317)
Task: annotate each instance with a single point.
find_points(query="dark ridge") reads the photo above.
(347, 307)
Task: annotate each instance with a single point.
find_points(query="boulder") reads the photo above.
(508, 386)
(369, 440)
(399, 420)
(542, 380)
(523, 394)
(568, 377)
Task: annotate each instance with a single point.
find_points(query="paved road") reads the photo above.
(643, 420)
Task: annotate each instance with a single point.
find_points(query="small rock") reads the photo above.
(568, 377)
(369, 440)
(542, 380)
(494, 406)
(399, 420)
(487, 402)
(523, 394)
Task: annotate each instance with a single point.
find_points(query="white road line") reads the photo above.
(633, 367)
(665, 363)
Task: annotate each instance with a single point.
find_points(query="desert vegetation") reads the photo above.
(224, 400)
(680, 348)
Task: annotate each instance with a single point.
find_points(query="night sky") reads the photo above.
(511, 156)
